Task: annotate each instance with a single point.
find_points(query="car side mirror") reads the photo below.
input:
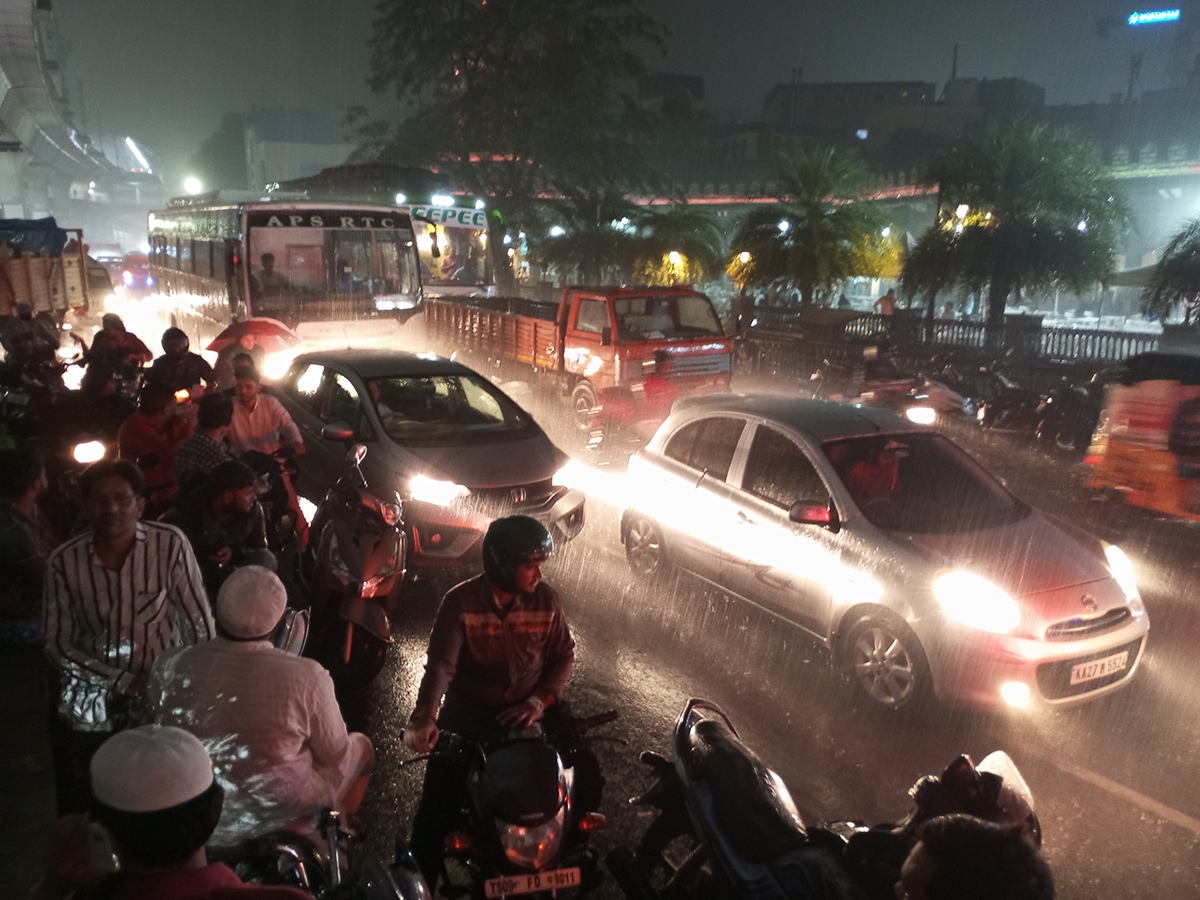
(337, 431)
(814, 512)
(606, 336)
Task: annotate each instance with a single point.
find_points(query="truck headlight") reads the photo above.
(975, 601)
(1122, 570)
(431, 490)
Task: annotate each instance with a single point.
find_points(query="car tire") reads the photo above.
(644, 548)
(885, 662)
(583, 405)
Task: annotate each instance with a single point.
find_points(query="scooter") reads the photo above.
(525, 828)
(728, 827)
(354, 567)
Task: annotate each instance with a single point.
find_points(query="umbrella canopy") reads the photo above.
(270, 334)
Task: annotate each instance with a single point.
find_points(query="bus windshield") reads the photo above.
(330, 273)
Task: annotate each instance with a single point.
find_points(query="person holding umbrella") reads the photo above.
(258, 336)
(248, 344)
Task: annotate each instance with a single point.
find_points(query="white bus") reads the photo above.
(339, 274)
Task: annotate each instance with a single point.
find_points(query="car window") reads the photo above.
(343, 400)
(706, 445)
(305, 387)
(778, 471)
(921, 483)
(592, 316)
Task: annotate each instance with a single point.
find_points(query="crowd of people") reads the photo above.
(175, 722)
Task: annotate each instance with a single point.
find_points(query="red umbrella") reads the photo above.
(270, 334)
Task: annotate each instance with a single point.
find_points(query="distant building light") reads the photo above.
(861, 134)
(784, 226)
(479, 204)
(962, 210)
(1154, 17)
(557, 231)
(507, 239)
(401, 199)
(1082, 226)
(441, 200)
(744, 257)
(887, 231)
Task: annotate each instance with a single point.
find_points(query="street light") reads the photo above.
(887, 231)
(192, 185)
(674, 258)
(744, 257)
(962, 210)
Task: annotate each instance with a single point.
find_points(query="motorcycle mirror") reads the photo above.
(357, 454)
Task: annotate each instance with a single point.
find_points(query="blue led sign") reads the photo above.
(1155, 17)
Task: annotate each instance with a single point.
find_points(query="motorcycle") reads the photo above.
(334, 865)
(728, 827)
(919, 398)
(354, 567)
(526, 825)
(285, 523)
(1068, 414)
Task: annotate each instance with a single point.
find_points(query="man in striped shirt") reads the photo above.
(115, 598)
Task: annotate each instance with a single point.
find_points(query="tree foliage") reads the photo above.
(677, 244)
(820, 232)
(1176, 278)
(511, 96)
(1023, 206)
(220, 162)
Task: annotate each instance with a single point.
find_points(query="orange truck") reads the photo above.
(594, 349)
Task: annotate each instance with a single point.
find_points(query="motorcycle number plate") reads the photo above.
(550, 880)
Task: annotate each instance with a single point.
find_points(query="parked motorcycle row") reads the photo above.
(1060, 421)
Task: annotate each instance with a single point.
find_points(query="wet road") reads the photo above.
(1115, 781)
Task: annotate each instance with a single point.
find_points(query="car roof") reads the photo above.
(822, 420)
(382, 363)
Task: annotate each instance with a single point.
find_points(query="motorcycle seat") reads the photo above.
(751, 804)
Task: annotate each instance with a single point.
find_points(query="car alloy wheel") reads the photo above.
(887, 662)
(644, 547)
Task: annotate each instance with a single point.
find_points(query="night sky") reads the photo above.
(165, 72)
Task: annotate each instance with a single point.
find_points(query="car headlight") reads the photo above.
(532, 848)
(88, 452)
(1122, 570)
(431, 490)
(921, 415)
(975, 601)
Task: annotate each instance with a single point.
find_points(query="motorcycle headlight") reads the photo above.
(921, 415)
(337, 565)
(88, 452)
(533, 848)
(975, 601)
(431, 490)
(1122, 570)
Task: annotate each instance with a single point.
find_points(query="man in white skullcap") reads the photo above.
(157, 802)
(269, 719)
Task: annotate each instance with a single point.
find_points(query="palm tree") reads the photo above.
(679, 243)
(817, 234)
(588, 236)
(1177, 276)
(1024, 206)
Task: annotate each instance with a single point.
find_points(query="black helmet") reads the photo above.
(510, 542)
(173, 335)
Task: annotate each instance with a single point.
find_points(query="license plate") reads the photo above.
(1098, 668)
(550, 880)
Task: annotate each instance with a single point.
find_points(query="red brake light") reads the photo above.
(459, 842)
(592, 821)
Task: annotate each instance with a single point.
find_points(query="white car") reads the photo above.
(890, 545)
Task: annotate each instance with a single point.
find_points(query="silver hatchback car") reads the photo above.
(889, 544)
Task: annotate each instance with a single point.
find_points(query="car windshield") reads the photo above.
(665, 316)
(444, 409)
(921, 483)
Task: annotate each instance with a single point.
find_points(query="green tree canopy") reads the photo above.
(594, 246)
(512, 96)
(1176, 278)
(681, 229)
(820, 232)
(1023, 206)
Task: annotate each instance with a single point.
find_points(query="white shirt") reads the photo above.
(269, 720)
(263, 428)
(103, 627)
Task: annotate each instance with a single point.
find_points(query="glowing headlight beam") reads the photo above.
(432, 490)
(1122, 570)
(975, 601)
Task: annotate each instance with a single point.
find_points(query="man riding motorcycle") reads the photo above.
(500, 654)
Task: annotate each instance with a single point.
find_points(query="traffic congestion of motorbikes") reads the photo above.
(528, 786)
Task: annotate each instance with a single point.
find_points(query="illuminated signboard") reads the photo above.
(1155, 17)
